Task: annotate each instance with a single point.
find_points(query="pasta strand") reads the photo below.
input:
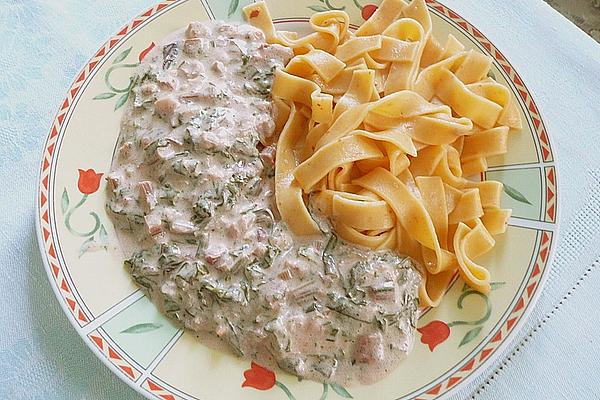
(379, 130)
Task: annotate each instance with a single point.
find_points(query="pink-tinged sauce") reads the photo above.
(193, 201)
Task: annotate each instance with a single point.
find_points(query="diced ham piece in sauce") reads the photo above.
(192, 196)
(369, 348)
(165, 107)
(153, 224)
(267, 155)
(197, 30)
(147, 195)
(148, 88)
(113, 182)
(192, 69)
(182, 227)
(265, 127)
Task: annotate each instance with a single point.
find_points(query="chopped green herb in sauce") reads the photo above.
(193, 199)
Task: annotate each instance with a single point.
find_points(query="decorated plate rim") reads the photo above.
(478, 360)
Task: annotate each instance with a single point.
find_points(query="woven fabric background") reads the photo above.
(45, 43)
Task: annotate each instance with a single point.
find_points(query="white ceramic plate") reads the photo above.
(84, 262)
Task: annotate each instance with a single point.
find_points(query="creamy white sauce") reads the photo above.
(192, 198)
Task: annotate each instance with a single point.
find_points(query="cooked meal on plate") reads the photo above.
(295, 199)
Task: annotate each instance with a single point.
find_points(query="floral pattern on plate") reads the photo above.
(84, 133)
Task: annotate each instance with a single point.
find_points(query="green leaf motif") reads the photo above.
(493, 285)
(325, 392)
(341, 391)
(103, 236)
(64, 201)
(122, 100)
(142, 328)
(332, 7)
(104, 96)
(233, 6)
(86, 246)
(318, 8)
(470, 335)
(358, 5)
(515, 194)
(122, 56)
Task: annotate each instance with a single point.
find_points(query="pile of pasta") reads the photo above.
(379, 130)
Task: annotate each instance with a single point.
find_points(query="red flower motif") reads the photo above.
(368, 11)
(259, 377)
(254, 13)
(144, 53)
(89, 181)
(434, 333)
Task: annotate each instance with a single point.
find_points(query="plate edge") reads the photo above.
(139, 389)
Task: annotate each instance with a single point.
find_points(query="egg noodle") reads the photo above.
(379, 129)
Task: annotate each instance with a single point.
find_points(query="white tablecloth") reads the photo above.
(45, 42)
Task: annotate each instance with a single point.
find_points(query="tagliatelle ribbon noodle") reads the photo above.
(346, 150)
(288, 193)
(316, 61)
(381, 130)
(330, 28)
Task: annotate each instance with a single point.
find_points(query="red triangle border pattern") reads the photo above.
(158, 390)
(81, 315)
(103, 344)
(96, 337)
(550, 175)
